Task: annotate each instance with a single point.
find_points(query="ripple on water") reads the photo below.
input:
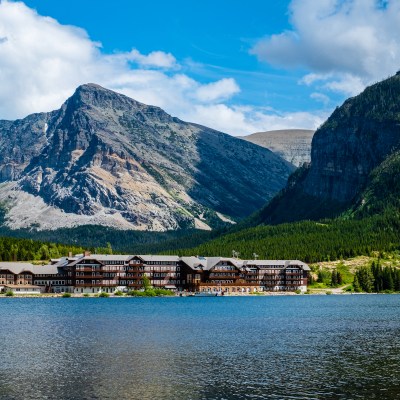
(294, 347)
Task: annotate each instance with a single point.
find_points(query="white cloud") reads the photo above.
(42, 62)
(220, 90)
(245, 120)
(347, 43)
(157, 59)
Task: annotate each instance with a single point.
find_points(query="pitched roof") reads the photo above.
(149, 258)
(108, 257)
(16, 267)
(278, 263)
(207, 263)
(11, 286)
(50, 269)
(194, 262)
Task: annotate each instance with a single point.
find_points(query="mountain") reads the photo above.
(351, 158)
(106, 159)
(294, 145)
(382, 191)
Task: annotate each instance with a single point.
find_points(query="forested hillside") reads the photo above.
(12, 249)
(351, 153)
(308, 240)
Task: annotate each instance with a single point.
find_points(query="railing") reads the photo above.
(224, 270)
(89, 284)
(223, 276)
(88, 269)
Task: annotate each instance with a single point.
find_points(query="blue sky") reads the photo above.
(217, 35)
(236, 66)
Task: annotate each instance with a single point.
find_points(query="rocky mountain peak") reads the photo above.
(108, 159)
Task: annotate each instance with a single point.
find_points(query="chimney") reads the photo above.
(70, 254)
(87, 253)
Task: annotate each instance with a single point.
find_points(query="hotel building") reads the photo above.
(95, 273)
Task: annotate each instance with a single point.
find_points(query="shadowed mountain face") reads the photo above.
(294, 145)
(356, 139)
(103, 158)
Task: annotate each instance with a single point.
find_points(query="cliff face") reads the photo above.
(294, 145)
(355, 140)
(104, 158)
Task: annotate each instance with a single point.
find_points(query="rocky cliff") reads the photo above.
(349, 146)
(294, 145)
(103, 158)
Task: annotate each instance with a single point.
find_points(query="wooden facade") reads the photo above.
(96, 273)
(230, 275)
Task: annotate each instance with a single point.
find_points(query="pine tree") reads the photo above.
(365, 279)
(356, 283)
(334, 280)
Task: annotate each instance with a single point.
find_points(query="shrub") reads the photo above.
(118, 293)
(66, 294)
(164, 292)
(104, 294)
(151, 293)
(136, 293)
(85, 294)
(9, 293)
(298, 291)
(328, 292)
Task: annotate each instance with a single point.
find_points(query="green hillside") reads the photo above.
(310, 241)
(382, 191)
(12, 249)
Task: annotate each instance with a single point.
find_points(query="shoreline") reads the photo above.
(80, 296)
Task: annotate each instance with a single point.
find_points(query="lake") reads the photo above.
(262, 347)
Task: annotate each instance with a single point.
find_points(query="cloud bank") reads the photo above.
(345, 44)
(42, 62)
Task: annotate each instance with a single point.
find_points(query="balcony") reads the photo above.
(89, 285)
(161, 271)
(224, 270)
(88, 269)
(223, 277)
(89, 276)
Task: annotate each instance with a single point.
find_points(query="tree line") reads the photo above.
(308, 241)
(12, 249)
(377, 279)
(330, 278)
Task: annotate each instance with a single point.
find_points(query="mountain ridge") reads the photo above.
(346, 149)
(294, 145)
(106, 159)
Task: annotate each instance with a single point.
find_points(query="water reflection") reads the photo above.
(300, 347)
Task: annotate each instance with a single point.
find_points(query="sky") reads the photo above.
(233, 65)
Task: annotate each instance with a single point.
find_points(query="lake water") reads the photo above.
(272, 347)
